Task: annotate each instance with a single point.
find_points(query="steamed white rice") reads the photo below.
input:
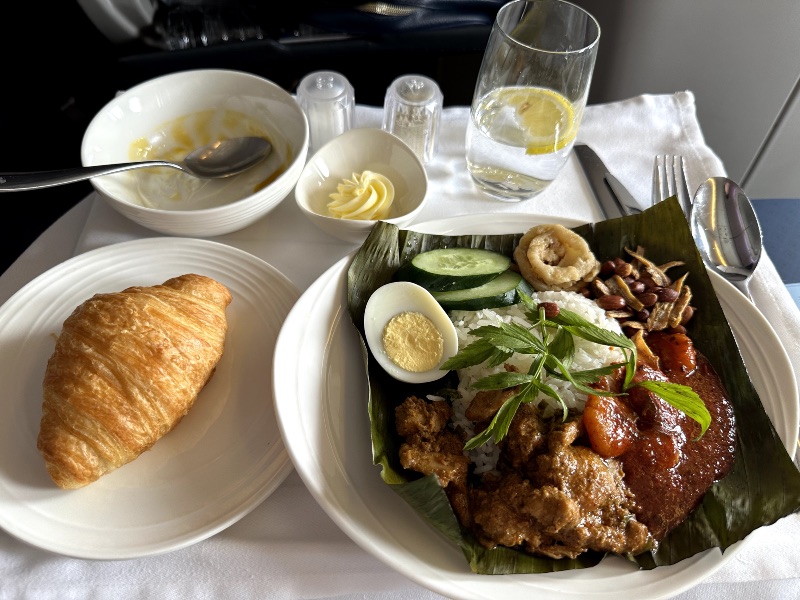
(588, 355)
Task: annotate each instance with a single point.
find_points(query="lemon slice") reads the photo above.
(546, 117)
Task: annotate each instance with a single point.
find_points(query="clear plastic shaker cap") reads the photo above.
(325, 86)
(416, 89)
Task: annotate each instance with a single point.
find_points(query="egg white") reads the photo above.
(403, 296)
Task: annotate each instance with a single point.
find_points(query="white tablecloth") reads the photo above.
(288, 547)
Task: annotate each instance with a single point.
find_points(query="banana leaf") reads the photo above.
(762, 487)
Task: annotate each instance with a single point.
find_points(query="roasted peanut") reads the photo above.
(607, 268)
(636, 287)
(550, 309)
(611, 302)
(666, 294)
(647, 281)
(624, 269)
(648, 299)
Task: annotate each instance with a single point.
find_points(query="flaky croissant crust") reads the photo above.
(126, 368)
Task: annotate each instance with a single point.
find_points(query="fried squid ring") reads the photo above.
(554, 257)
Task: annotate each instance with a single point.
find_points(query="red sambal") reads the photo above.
(667, 466)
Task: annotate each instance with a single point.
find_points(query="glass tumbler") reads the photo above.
(530, 96)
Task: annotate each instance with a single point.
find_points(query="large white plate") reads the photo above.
(321, 401)
(219, 463)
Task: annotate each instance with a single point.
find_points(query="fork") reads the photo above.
(669, 179)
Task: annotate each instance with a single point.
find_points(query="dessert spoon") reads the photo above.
(217, 160)
(726, 230)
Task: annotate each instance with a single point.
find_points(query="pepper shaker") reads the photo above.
(412, 111)
(328, 100)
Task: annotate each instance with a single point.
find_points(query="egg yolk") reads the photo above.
(413, 342)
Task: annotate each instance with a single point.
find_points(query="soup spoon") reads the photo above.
(726, 230)
(214, 161)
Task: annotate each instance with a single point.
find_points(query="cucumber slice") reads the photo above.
(503, 290)
(446, 269)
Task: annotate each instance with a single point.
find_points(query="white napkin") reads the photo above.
(288, 547)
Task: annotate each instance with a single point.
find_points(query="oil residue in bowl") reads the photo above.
(171, 189)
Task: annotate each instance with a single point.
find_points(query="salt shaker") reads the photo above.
(412, 111)
(328, 100)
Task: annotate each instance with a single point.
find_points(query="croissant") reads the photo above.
(126, 368)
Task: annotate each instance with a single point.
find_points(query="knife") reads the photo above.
(629, 204)
(614, 200)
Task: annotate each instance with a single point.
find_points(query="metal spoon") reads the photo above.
(726, 230)
(217, 160)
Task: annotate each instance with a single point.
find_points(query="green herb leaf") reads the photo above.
(562, 346)
(682, 397)
(580, 327)
(578, 379)
(477, 352)
(498, 427)
(549, 391)
(501, 381)
(590, 376)
(537, 366)
(483, 437)
(511, 336)
(527, 301)
(553, 351)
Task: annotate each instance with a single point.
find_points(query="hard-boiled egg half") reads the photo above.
(408, 332)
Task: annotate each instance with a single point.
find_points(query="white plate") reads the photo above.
(321, 402)
(219, 463)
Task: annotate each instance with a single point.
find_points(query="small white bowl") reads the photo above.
(355, 151)
(177, 112)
